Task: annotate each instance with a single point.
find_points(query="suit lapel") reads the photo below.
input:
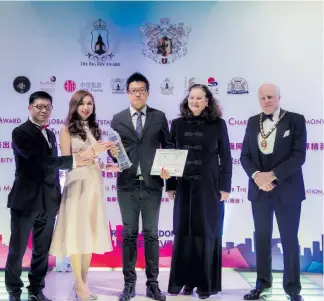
(281, 128)
(51, 141)
(127, 121)
(148, 119)
(255, 144)
(38, 133)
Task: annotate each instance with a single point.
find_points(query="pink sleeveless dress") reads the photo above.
(82, 224)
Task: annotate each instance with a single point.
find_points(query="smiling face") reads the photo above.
(269, 98)
(197, 101)
(85, 107)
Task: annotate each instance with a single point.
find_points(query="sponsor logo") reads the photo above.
(166, 87)
(237, 85)
(69, 86)
(93, 87)
(118, 85)
(21, 84)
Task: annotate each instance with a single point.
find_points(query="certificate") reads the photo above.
(173, 160)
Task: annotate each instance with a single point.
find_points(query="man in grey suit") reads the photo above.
(142, 131)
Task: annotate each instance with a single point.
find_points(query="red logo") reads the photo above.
(69, 86)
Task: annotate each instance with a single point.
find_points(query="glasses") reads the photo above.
(41, 107)
(140, 91)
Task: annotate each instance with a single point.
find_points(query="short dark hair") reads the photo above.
(41, 95)
(138, 77)
(211, 112)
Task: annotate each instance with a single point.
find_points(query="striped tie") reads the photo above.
(139, 126)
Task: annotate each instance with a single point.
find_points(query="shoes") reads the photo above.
(295, 297)
(257, 293)
(187, 290)
(153, 291)
(128, 292)
(33, 296)
(92, 296)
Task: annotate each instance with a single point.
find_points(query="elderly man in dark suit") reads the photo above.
(35, 196)
(142, 131)
(273, 152)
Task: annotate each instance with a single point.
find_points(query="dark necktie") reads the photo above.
(265, 117)
(139, 126)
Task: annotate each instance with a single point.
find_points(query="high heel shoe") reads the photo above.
(91, 297)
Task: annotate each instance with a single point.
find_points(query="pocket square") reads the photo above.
(286, 134)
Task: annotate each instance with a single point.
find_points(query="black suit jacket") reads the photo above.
(36, 186)
(289, 156)
(141, 151)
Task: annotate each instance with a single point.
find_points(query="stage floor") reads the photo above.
(108, 284)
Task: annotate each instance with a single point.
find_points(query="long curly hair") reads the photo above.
(74, 122)
(211, 112)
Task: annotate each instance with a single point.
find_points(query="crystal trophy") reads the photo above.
(122, 157)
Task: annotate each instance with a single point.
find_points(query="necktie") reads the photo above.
(265, 117)
(139, 126)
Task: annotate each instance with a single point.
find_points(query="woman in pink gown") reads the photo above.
(82, 225)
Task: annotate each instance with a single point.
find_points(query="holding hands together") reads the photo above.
(264, 180)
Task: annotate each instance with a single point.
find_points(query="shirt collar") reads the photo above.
(276, 114)
(133, 111)
(32, 121)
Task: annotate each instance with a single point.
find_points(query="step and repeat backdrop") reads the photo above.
(233, 47)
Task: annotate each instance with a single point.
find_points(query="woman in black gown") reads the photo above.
(199, 195)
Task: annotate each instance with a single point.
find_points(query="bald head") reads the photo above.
(269, 97)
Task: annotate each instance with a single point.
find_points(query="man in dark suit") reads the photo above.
(273, 152)
(35, 196)
(142, 131)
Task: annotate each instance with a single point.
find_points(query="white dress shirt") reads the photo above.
(43, 131)
(267, 126)
(134, 121)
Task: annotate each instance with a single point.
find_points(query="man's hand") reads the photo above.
(267, 187)
(224, 195)
(264, 178)
(171, 194)
(165, 174)
(83, 161)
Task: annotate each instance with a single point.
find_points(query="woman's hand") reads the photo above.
(112, 168)
(165, 174)
(224, 195)
(101, 146)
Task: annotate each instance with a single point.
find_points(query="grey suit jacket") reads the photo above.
(142, 150)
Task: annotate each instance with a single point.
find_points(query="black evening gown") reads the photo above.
(198, 211)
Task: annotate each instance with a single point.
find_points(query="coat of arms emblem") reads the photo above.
(99, 42)
(237, 85)
(164, 43)
(166, 87)
(118, 85)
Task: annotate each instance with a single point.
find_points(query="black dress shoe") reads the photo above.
(203, 295)
(153, 291)
(295, 297)
(188, 290)
(37, 296)
(256, 293)
(14, 297)
(127, 293)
